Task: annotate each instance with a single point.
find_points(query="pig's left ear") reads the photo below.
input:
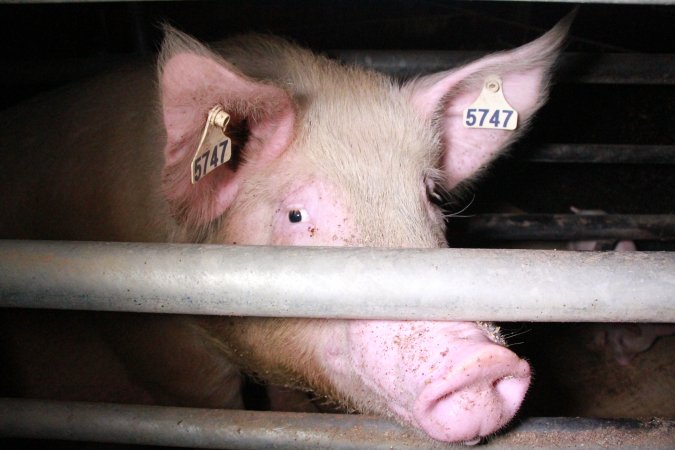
(442, 98)
(193, 80)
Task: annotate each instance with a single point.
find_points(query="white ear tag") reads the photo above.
(491, 110)
(214, 149)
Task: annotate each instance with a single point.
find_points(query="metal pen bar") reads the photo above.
(212, 428)
(593, 68)
(569, 227)
(442, 284)
(601, 154)
(624, 2)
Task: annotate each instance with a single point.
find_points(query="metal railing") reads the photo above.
(210, 428)
(441, 284)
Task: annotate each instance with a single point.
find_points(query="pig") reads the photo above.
(322, 155)
(609, 370)
(623, 340)
(580, 373)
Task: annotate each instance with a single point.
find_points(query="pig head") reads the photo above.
(333, 155)
(328, 155)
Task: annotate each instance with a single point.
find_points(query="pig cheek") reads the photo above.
(335, 352)
(311, 233)
(284, 232)
(325, 227)
(252, 228)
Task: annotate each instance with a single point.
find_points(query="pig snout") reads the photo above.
(475, 398)
(448, 379)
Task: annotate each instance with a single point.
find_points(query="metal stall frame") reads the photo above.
(281, 281)
(438, 284)
(210, 428)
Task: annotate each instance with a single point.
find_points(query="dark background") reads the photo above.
(48, 45)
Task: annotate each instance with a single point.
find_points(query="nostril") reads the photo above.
(511, 390)
(502, 381)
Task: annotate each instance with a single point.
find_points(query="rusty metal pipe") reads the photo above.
(568, 227)
(211, 428)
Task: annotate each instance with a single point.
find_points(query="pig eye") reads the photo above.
(297, 215)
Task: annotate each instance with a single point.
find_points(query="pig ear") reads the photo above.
(192, 81)
(442, 98)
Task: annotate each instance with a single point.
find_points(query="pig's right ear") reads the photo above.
(192, 81)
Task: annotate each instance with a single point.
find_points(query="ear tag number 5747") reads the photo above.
(215, 148)
(491, 110)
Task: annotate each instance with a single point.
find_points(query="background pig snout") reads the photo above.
(448, 379)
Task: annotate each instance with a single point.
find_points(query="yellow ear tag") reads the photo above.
(215, 149)
(491, 110)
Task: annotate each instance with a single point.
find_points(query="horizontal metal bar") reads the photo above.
(568, 227)
(602, 153)
(210, 428)
(612, 2)
(60, 70)
(638, 68)
(596, 68)
(623, 2)
(97, 1)
(443, 284)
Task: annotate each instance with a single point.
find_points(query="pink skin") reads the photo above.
(624, 340)
(350, 149)
(627, 340)
(449, 379)
(446, 378)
